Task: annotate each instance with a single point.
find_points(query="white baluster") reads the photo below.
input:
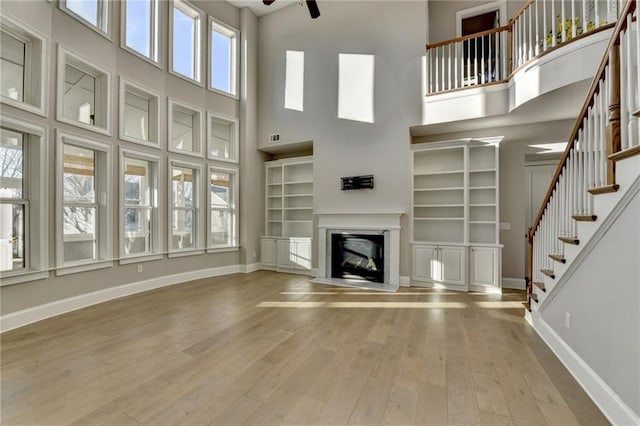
(554, 23)
(636, 107)
(597, 13)
(585, 16)
(623, 89)
(455, 66)
(603, 127)
(590, 163)
(529, 33)
(564, 23)
(449, 66)
(544, 26)
(537, 43)
(573, 17)
(444, 75)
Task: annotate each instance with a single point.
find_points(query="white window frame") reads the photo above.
(36, 74)
(235, 136)
(500, 5)
(102, 107)
(104, 25)
(198, 130)
(156, 40)
(232, 209)
(234, 34)
(154, 112)
(36, 188)
(197, 207)
(104, 225)
(189, 9)
(155, 174)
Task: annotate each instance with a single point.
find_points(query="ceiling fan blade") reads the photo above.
(268, 2)
(313, 8)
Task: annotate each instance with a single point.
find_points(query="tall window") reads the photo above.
(84, 185)
(139, 114)
(186, 40)
(222, 141)
(83, 93)
(223, 58)
(185, 129)
(23, 202)
(94, 13)
(185, 222)
(222, 207)
(141, 27)
(139, 192)
(356, 87)
(13, 202)
(23, 66)
(12, 59)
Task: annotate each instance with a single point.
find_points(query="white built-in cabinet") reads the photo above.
(455, 221)
(289, 215)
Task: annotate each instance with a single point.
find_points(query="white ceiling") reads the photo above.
(258, 8)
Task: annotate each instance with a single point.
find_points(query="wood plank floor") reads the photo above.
(269, 348)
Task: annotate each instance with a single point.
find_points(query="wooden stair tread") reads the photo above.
(549, 273)
(629, 152)
(534, 296)
(527, 305)
(540, 285)
(636, 113)
(604, 189)
(585, 217)
(558, 258)
(570, 240)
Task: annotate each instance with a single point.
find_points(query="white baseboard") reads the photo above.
(39, 313)
(314, 272)
(251, 267)
(405, 281)
(616, 411)
(514, 283)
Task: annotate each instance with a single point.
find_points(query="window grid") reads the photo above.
(186, 21)
(223, 57)
(222, 207)
(131, 39)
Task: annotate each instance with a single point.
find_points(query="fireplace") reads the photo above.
(359, 250)
(358, 256)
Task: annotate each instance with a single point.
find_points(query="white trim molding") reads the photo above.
(616, 411)
(27, 316)
(514, 283)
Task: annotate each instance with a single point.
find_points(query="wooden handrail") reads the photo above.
(468, 37)
(629, 7)
(521, 10)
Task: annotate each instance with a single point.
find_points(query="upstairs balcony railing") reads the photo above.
(492, 56)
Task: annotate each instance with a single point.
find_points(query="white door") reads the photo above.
(286, 254)
(483, 267)
(424, 263)
(268, 252)
(452, 262)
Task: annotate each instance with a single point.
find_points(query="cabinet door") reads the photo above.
(452, 264)
(286, 254)
(268, 251)
(483, 266)
(302, 259)
(424, 263)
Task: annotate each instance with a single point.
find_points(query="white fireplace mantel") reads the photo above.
(387, 221)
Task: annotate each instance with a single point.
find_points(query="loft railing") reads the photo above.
(468, 61)
(542, 25)
(491, 56)
(605, 132)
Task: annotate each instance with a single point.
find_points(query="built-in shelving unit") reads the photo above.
(289, 214)
(455, 209)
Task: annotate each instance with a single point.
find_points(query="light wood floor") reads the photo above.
(268, 348)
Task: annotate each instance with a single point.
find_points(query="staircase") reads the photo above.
(597, 179)
(598, 166)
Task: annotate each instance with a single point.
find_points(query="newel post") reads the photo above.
(613, 126)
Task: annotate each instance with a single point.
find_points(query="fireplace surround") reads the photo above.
(367, 245)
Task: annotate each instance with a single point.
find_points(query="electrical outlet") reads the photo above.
(139, 268)
(567, 320)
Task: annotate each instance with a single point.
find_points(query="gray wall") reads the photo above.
(63, 29)
(608, 277)
(392, 31)
(442, 16)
